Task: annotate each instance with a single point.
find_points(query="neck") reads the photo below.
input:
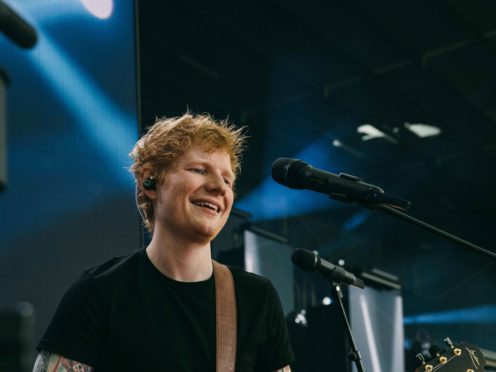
(179, 259)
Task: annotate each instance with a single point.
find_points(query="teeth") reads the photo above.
(207, 205)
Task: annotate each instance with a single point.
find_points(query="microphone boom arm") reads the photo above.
(435, 230)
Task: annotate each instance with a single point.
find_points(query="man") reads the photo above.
(155, 309)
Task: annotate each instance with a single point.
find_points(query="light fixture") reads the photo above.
(343, 146)
(370, 132)
(99, 8)
(423, 130)
(301, 318)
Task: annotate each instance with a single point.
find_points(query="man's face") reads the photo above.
(195, 199)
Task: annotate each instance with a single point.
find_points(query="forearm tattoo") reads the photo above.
(50, 362)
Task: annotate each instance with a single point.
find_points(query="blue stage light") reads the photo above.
(480, 314)
(78, 92)
(356, 220)
(99, 8)
(88, 104)
(48, 11)
(271, 200)
(79, 146)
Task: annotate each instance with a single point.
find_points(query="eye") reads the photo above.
(199, 171)
(228, 182)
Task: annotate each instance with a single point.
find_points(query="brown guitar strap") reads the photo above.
(225, 310)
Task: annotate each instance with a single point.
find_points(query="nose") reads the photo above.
(217, 184)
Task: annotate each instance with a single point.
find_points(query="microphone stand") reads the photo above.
(354, 354)
(392, 211)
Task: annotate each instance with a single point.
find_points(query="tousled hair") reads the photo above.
(168, 138)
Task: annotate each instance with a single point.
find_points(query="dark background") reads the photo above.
(301, 75)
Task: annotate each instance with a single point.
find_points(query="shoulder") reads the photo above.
(243, 277)
(107, 275)
(254, 285)
(115, 264)
(116, 269)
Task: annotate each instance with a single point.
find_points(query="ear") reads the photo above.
(147, 173)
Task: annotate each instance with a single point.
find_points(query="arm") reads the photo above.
(51, 362)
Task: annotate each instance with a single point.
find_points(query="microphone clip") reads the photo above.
(373, 197)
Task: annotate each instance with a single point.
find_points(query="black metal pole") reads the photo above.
(354, 354)
(435, 230)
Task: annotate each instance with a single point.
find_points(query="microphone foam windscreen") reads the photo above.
(304, 259)
(279, 169)
(286, 171)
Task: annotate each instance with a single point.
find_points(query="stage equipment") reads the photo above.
(310, 261)
(267, 254)
(16, 338)
(460, 357)
(24, 35)
(490, 357)
(16, 28)
(319, 335)
(297, 174)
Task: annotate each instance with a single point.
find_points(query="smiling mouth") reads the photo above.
(208, 205)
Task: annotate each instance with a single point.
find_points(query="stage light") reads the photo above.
(343, 146)
(99, 8)
(74, 10)
(356, 220)
(480, 314)
(88, 104)
(326, 301)
(271, 200)
(301, 318)
(88, 110)
(370, 132)
(423, 130)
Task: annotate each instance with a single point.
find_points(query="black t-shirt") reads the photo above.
(126, 315)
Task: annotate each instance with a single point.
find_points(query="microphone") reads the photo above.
(296, 174)
(310, 261)
(16, 28)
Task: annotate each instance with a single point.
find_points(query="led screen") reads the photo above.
(71, 119)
